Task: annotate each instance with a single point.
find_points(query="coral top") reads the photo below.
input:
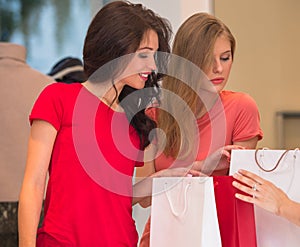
(235, 119)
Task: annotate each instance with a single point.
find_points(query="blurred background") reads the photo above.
(49, 29)
(266, 61)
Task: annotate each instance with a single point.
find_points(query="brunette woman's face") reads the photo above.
(143, 62)
(219, 70)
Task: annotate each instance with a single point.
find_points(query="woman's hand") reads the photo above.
(217, 161)
(266, 195)
(262, 192)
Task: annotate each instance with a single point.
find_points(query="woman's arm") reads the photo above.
(149, 165)
(217, 161)
(143, 188)
(145, 172)
(222, 166)
(248, 144)
(266, 195)
(41, 140)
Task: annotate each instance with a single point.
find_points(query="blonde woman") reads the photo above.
(231, 121)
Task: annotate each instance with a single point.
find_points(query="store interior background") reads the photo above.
(266, 63)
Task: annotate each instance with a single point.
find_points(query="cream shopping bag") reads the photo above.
(183, 213)
(281, 167)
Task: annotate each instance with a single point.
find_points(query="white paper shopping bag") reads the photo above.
(281, 167)
(183, 213)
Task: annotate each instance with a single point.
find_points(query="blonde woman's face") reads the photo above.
(219, 70)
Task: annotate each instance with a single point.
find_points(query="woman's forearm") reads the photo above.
(291, 211)
(141, 191)
(30, 204)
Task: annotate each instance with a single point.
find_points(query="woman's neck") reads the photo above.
(106, 93)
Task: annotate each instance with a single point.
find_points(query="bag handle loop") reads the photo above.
(178, 214)
(276, 165)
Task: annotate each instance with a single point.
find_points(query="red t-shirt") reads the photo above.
(89, 194)
(235, 117)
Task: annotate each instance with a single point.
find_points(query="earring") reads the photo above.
(139, 102)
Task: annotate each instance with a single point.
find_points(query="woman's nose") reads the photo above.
(152, 63)
(217, 67)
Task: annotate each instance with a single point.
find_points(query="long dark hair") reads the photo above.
(117, 30)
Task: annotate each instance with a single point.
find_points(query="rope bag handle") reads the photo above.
(276, 165)
(178, 214)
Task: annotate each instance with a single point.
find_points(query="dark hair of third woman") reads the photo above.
(117, 30)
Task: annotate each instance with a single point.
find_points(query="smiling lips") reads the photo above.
(144, 76)
(217, 81)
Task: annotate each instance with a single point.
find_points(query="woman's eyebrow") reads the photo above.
(229, 51)
(145, 48)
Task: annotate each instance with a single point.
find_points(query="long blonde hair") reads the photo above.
(194, 42)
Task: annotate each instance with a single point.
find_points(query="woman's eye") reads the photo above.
(225, 58)
(143, 55)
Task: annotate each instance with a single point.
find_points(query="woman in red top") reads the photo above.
(90, 136)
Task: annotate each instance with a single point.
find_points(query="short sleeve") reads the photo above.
(247, 123)
(48, 106)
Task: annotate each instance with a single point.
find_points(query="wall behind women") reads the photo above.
(267, 58)
(176, 11)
